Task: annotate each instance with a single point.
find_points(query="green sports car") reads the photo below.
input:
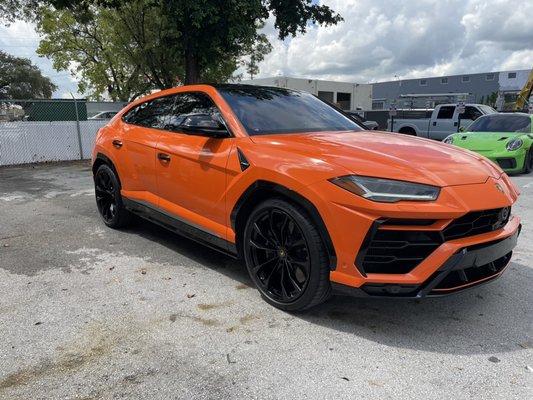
(503, 138)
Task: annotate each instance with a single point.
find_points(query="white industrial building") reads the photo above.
(347, 95)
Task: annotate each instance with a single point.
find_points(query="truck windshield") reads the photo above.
(268, 110)
(502, 123)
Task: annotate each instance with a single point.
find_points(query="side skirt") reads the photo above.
(179, 226)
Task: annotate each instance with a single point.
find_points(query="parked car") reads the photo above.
(438, 123)
(504, 138)
(312, 203)
(104, 115)
(370, 125)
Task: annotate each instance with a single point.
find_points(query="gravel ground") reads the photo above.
(91, 313)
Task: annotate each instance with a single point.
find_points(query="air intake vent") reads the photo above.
(242, 160)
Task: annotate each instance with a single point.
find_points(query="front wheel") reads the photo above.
(285, 256)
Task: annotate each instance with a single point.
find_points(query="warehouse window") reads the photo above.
(511, 75)
(489, 77)
(465, 79)
(444, 81)
(344, 100)
(378, 105)
(326, 96)
(423, 82)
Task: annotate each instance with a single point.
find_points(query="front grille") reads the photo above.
(477, 222)
(458, 279)
(506, 163)
(399, 251)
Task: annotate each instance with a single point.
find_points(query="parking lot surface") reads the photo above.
(87, 312)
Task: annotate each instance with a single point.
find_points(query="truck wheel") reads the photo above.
(408, 131)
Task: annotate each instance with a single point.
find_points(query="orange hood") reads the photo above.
(387, 155)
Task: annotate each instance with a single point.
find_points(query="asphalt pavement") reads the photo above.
(87, 312)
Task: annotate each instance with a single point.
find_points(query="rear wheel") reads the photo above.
(408, 131)
(108, 198)
(285, 256)
(528, 163)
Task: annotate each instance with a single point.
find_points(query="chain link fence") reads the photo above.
(50, 130)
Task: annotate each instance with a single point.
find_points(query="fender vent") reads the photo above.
(242, 160)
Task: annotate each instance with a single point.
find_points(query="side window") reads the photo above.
(151, 114)
(190, 107)
(446, 112)
(471, 113)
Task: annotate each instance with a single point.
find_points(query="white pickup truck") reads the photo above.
(438, 123)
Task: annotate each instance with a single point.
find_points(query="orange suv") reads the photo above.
(309, 200)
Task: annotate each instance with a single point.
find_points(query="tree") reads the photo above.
(120, 55)
(20, 79)
(257, 54)
(210, 35)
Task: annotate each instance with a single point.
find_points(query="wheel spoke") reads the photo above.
(273, 232)
(284, 230)
(256, 268)
(284, 293)
(261, 247)
(263, 236)
(292, 279)
(267, 279)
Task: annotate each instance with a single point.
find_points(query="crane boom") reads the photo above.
(525, 93)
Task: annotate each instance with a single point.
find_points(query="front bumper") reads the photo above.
(511, 162)
(468, 267)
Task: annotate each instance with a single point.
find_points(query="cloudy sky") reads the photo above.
(379, 40)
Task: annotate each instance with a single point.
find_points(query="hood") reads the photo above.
(388, 155)
(484, 141)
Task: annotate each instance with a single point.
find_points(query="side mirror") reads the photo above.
(204, 124)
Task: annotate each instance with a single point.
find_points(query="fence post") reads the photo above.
(80, 146)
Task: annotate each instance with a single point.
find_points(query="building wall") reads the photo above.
(478, 88)
(360, 94)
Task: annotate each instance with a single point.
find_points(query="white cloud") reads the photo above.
(378, 40)
(381, 39)
(20, 39)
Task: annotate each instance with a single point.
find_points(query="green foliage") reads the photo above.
(127, 48)
(20, 79)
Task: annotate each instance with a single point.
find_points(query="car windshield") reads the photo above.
(502, 123)
(487, 110)
(264, 110)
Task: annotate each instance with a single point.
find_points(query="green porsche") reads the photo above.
(505, 138)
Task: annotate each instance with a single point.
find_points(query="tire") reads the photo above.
(528, 162)
(285, 256)
(108, 198)
(408, 131)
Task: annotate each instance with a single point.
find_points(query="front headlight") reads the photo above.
(514, 144)
(386, 190)
(448, 140)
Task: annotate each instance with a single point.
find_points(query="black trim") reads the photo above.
(507, 163)
(260, 190)
(360, 258)
(243, 161)
(180, 226)
(473, 258)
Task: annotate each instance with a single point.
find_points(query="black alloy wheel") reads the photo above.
(108, 199)
(285, 256)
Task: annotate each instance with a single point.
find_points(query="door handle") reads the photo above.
(117, 143)
(455, 124)
(434, 123)
(163, 157)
